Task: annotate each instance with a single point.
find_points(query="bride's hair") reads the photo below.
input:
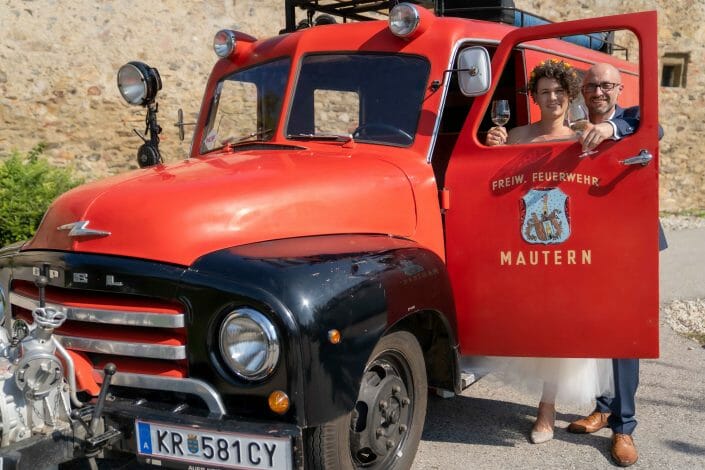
(562, 71)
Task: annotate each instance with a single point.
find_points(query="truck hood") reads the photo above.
(180, 212)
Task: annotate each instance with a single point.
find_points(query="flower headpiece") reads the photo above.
(566, 66)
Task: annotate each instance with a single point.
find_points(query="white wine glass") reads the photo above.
(578, 121)
(500, 112)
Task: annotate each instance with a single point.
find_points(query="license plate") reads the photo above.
(212, 448)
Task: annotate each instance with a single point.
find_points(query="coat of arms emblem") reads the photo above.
(192, 442)
(545, 218)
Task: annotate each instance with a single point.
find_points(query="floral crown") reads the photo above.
(566, 66)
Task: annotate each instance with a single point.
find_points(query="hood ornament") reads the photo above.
(80, 229)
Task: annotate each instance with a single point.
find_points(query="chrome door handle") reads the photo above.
(642, 159)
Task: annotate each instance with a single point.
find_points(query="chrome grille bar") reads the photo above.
(111, 317)
(122, 348)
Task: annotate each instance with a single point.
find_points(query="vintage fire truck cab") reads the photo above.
(338, 240)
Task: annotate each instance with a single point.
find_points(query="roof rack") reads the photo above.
(502, 11)
(357, 10)
(602, 41)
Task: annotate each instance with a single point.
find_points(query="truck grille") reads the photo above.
(140, 335)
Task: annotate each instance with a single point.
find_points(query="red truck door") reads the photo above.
(551, 254)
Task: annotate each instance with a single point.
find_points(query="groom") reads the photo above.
(601, 88)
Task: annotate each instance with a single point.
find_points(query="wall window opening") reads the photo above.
(674, 69)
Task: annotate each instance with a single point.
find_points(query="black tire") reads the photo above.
(384, 429)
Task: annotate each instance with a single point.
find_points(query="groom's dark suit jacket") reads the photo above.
(627, 121)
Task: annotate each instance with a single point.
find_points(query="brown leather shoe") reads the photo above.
(624, 453)
(591, 423)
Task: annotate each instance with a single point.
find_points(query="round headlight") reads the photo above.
(249, 344)
(404, 19)
(224, 43)
(138, 83)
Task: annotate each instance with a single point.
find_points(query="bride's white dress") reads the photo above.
(577, 381)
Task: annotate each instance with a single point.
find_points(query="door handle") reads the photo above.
(642, 159)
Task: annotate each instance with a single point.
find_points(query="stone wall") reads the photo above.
(59, 59)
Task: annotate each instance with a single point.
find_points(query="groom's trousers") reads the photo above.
(622, 406)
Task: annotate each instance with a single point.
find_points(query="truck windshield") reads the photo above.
(246, 105)
(375, 97)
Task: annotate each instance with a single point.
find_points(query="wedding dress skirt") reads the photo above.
(570, 381)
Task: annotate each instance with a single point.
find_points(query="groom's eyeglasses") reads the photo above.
(604, 86)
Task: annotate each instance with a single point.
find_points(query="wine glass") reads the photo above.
(578, 121)
(500, 112)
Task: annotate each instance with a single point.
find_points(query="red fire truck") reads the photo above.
(339, 239)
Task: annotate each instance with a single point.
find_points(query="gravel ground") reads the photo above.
(487, 427)
(686, 317)
(682, 222)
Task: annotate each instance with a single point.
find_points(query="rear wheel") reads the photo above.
(384, 428)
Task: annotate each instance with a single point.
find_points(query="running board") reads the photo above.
(472, 369)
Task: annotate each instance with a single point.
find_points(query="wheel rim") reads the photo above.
(383, 412)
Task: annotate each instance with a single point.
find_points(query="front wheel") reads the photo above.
(384, 428)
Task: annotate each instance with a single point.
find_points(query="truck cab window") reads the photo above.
(597, 90)
(336, 111)
(511, 87)
(375, 97)
(246, 105)
(453, 115)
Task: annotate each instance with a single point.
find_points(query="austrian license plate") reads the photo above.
(212, 448)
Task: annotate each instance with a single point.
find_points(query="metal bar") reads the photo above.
(122, 348)
(184, 385)
(111, 317)
(290, 15)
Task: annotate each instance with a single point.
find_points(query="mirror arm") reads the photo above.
(436, 84)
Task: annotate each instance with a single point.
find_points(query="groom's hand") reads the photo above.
(595, 134)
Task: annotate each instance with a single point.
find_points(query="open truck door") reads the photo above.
(550, 254)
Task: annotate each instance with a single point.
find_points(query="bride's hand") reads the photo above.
(496, 136)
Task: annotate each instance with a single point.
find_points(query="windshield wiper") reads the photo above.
(251, 137)
(332, 137)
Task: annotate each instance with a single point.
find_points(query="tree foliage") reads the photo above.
(28, 184)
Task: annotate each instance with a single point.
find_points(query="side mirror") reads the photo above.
(180, 124)
(474, 72)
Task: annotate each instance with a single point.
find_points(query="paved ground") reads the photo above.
(488, 426)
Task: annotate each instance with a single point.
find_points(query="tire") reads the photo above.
(383, 430)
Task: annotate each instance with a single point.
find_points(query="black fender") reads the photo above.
(363, 286)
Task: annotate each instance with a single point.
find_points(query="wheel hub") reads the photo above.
(382, 415)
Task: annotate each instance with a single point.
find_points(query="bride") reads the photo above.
(552, 85)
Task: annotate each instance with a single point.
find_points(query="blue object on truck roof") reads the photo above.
(596, 41)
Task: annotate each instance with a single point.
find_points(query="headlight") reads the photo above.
(138, 83)
(404, 18)
(249, 344)
(224, 43)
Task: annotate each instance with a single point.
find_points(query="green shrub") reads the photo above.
(28, 184)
